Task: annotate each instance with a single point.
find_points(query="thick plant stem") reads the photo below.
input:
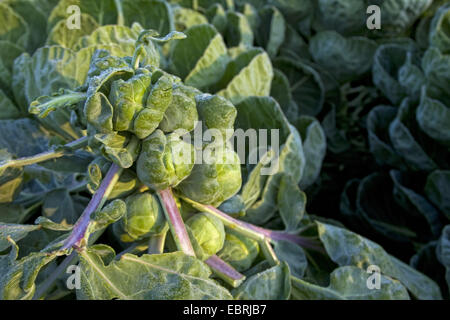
(156, 243)
(94, 205)
(44, 156)
(254, 232)
(62, 267)
(230, 222)
(175, 221)
(120, 18)
(269, 253)
(224, 271)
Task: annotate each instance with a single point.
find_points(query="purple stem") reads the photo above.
(271, 234)
(97, 201)
(225, 271)
(175, 221)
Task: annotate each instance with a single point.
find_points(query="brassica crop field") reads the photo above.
(231, 149)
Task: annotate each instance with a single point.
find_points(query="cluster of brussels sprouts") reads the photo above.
(153, 109)
(140, 117)
(135, 117)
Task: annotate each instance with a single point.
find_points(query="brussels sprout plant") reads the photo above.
(105, 163)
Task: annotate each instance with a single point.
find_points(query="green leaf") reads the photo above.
(378, 122)
(201, 58)
(346, 58)
(388, 60)
(15, 231)
(265, 113)
(349, 283)
(271, 284)
(46, 223)
(403, 215)
(433, 118)
(281, 91)
(59, 207)
(238, 31)
(443, 252)
(291, 201)
(272, 30)
(44, 105)
(399, 16)
(8, 110)
(186, 18)
(254, 79)
(440, 30)
(33, 14)
(68, 38)
(8, 53)
(349, 249)
(151, 14)
(103, 11)
(17, 277)
(307, 87)
(123, 36)
(348, 17)
(314, 147)
(436, 67)
(152, 277)
(11, 181)
(33, 139)
(13, 213)
(293, 255)
(406, 141)
(46, 72)
(414, 203)
(437, 189)
(13, 27)
(217, 17)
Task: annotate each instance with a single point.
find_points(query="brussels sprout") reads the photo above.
(112, 212)
(182, 111)
(164, 160)
(102, 61)
(97, 170)
(157, 73)
(156, 105)
(215, 180)
(216, 112)
(144, 217)
(99, 113)
(120, 148)
(207, 233)
(239, 251)
(128, 98)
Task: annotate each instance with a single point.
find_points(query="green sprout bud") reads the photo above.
(144, 218)
(164, 161)
(207, 232)
(215, 180)
(239, 251)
